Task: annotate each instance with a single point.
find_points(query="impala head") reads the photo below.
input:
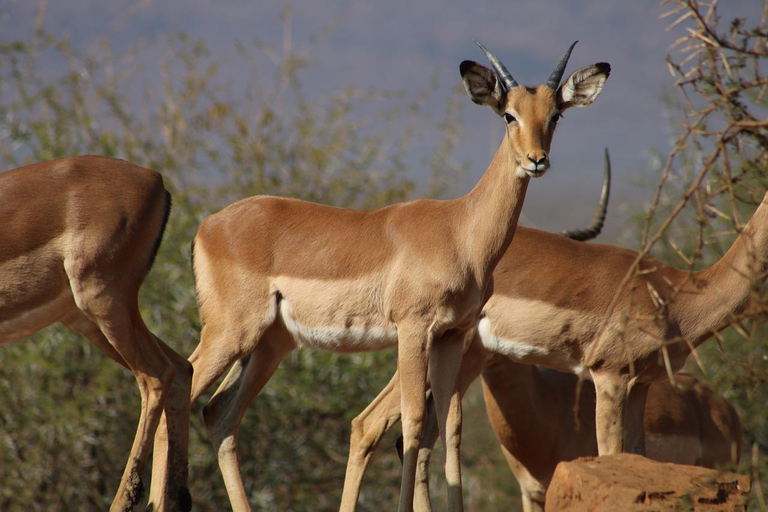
(531, 113)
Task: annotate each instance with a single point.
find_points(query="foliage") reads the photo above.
(68, 414)
(709, 185)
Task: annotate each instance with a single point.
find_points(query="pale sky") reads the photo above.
(395, 44)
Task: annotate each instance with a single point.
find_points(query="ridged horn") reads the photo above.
(597, 222)
(557, 74)
(506, 79)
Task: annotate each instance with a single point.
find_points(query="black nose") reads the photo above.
(540, 161)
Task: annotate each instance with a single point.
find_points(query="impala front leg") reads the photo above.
(422, 501)
(444, 366)
(612, 390)
(413, 344)
(472, 363)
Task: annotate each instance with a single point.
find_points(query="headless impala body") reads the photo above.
(274, 273)
(553, 314)
(79, 236)
(531, 409)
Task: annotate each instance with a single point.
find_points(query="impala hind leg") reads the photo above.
(172, 434)
(368, 428)
(170, 465)
(123, 327)
(227, 406)
(79, 323)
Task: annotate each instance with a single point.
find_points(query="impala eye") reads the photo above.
(509, 118)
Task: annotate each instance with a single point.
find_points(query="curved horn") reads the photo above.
(507, 81)
(597, 222)
(557, 74)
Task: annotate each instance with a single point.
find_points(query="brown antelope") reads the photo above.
(79, 235)
(275, 273)
(552, 312)
(531, 409)
(370, 426)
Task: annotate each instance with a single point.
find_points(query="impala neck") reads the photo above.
(492, 209)
(724, 288)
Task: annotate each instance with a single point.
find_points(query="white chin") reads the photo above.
(522, 173)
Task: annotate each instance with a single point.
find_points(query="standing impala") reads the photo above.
(553, 314)
(276, 273)
(79, 236)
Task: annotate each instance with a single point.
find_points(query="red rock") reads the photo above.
(628, 483)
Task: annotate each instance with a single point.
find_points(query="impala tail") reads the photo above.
(596, 227)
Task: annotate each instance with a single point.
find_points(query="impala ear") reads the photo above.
(583, 86)
(483, 86)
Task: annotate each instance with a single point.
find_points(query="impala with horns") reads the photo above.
(550, 306)
(79, 235)
(275, 273)
(383, 413)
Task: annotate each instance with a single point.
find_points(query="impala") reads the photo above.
(370, 426)
(276, 273)
(79, 235)
(531, 409)
(552, 312)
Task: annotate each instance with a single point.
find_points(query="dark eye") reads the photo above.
(509, 118)
(556, 118)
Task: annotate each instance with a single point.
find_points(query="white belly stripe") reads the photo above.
(525, 353)
(338, 339)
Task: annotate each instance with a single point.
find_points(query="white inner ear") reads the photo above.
(582, 87)
(568, 90)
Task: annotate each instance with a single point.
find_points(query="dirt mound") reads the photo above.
(629, 483)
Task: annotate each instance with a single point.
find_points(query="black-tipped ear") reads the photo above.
(583, 86)
(482, 86)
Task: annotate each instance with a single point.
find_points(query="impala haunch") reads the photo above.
(275, 273)
(79, 235)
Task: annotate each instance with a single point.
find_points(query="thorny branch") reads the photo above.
(720, 156)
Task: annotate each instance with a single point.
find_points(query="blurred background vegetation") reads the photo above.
(68, 414)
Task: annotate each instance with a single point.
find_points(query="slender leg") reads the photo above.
(226, 408)
(472, 364)
(110, 328)
(154, 375)
(444, 365)
(370, 426)
(611, 390)
(530, 505)
(172, 435)
(412, 349)
(367, 431)
(170, 468)
(422, 501)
